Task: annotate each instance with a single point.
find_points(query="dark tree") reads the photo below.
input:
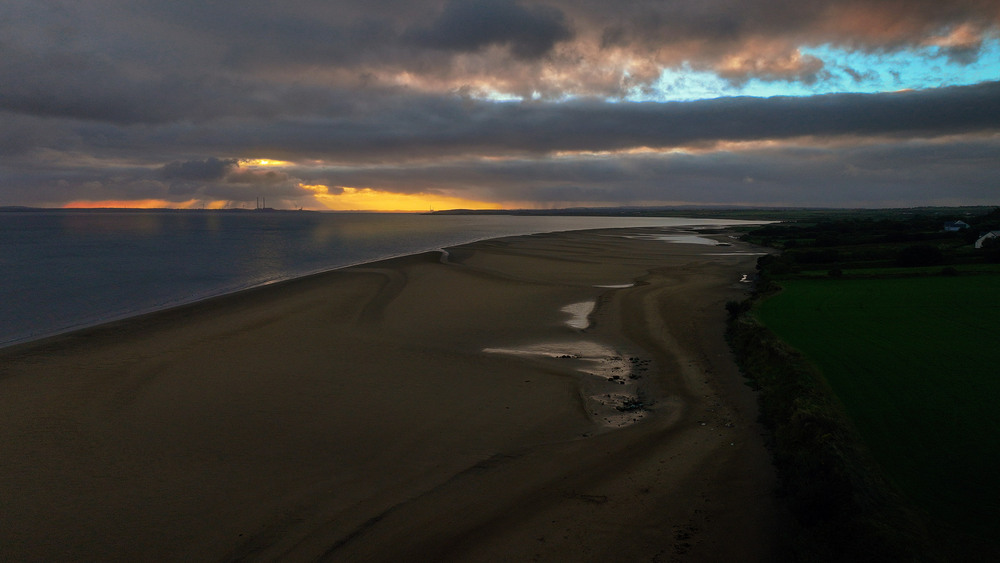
(920, 255)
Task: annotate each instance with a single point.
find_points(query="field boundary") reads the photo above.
(844, 508)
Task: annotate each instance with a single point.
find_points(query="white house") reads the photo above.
(955, 226)
(986, 237)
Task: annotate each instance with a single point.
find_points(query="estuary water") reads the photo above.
(61, 270)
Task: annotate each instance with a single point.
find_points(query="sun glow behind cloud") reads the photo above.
(368, 199)
(264, 162)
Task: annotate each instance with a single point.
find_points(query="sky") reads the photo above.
(426, 104)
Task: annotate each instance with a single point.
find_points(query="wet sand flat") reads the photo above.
(437, 407)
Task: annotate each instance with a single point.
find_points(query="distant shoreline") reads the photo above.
(769, 213)
(776, 213)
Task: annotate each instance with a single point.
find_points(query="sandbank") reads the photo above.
(436, 407)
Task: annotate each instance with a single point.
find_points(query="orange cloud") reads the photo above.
(769, 61)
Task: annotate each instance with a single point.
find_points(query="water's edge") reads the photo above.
(444, 236)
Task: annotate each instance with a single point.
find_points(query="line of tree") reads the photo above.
(898, 239)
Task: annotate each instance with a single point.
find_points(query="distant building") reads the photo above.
(988, 236)
(955, 226)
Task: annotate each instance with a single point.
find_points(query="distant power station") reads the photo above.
(262, 205)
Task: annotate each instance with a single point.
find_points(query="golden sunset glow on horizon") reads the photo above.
(367, 199)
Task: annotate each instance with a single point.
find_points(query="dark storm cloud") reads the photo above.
(408, 145)
(210, 179)
(469, 25)
(96, 89)
(257, 177)
(285, 192)
(873, 24)
(423, 127)
(206, 170)
(895, 172)
(900, 172)
(431, 127)
(224, 178)
(112, 99)
(153, 61)
(133, 46)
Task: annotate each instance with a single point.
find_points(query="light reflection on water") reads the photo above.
(606, 377)
(678, 238)
(579, 314)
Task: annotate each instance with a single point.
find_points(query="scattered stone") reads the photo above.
(631, 404)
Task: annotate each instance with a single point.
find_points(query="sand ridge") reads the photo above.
(354, 415)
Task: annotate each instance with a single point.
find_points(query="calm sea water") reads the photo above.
(64, 270)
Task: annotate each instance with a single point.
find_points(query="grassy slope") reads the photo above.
(914, 362)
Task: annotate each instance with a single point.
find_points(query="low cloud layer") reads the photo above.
(178, 102)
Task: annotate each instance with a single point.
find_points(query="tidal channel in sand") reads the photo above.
(427, 408)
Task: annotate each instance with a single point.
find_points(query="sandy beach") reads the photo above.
(556, 397)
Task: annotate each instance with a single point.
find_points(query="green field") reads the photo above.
(916, 364)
